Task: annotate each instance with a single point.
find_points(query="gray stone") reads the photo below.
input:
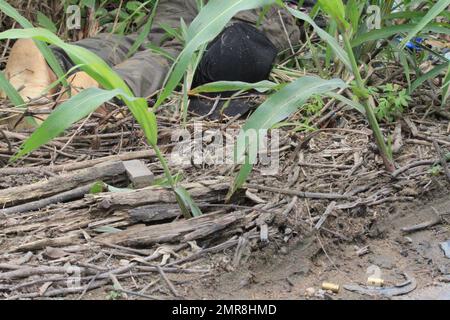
(139, 174)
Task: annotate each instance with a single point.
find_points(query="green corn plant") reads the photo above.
(418, 22)
(87, 101)
(336, 10)
(276, 108)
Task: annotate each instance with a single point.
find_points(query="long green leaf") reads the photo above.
(387, 32)
(45, 22)
(222, 86)
(355, 105)
(440, 6)
(206, 26)
(100, 71)
(10, 91)
(429, 75)
(276, 108)
(69, 112)
(340, 53)
(14, 96)
(188, 202)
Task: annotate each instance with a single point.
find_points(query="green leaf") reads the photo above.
(160, 51)
(440, 6)
(223, 86)
(206, 26)
(98, 70)
(97, 187)
(429, 75)
(336, 9)
(330, 40)
(14, 96)
(65, 115)
(143, 35)
(353, 9)
(387, 32)
(188, 202)
(10, 91)
(276, 108)
(241, 177)
(355, 105)
(133, 5)
(46, 23)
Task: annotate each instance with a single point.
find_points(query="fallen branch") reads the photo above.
(62, 197)
(183, 230)
(209, 191)
(144, 154)
(409, 166)
(52, 186)
(301, 194)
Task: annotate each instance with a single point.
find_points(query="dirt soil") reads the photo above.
(272, 275)
(297, 273)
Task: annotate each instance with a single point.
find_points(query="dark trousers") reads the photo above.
(242, 52)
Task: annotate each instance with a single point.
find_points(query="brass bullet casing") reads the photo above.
(328, 286)
(375, 282)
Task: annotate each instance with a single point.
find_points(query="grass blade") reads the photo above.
(10, 91)
(340, 53)
(222, 86)
(211, 20)
(388, 32)
(45, 22)
(440, 6)
(276, 108)
(188, 202)
(65, 115)
(14, 97)
(429, 75)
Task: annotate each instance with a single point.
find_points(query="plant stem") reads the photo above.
(165, 166)
(369, 111)
(169, 178)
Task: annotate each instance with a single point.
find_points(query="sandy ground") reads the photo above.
(391, 253)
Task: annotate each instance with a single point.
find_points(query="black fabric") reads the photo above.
(239, 53)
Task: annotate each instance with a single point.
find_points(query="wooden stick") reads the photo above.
(301, 194)
(144, 154)
(55, 185)
(74, 194)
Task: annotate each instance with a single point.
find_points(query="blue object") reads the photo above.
(411, 45)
